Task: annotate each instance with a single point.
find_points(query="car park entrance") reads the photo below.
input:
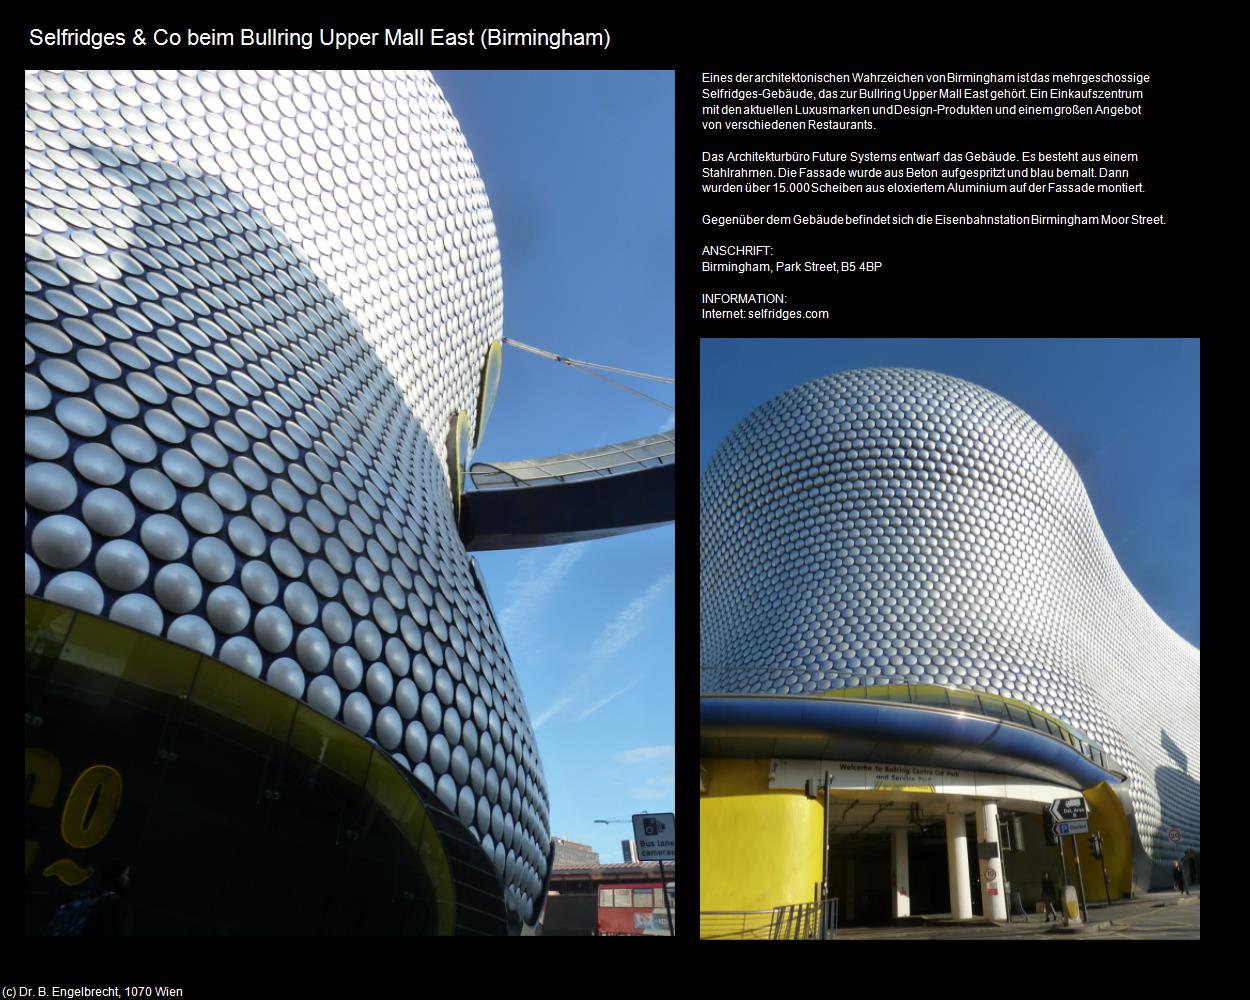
(904, 841)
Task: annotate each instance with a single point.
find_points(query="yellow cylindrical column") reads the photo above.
(758, 848)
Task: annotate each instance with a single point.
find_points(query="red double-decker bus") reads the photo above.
(634, 908)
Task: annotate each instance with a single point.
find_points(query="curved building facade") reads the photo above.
(891, 527)
(259, 312)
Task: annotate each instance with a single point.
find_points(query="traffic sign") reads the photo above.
(1068, 809)
(1174, 835)
(990, 874)
(1076, 826)
(1048, 823)
(654, 834)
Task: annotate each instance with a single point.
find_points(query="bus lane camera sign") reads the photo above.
(655, 837)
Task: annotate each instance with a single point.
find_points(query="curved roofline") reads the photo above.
(794, 726)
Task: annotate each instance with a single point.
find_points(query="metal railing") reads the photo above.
(806, 921)
(792, 922)
(736, 925)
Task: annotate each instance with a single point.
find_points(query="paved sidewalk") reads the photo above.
(1156, 915)
(1128, 911)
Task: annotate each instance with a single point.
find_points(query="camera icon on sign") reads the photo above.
(650, 828)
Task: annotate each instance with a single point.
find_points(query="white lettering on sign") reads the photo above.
(899, 770)
(655, 836)
(908, 781)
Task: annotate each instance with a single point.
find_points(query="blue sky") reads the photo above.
(579, 171)
(1125, 411)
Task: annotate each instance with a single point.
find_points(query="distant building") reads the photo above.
(570, 854)
(609, 899)
(629, 851)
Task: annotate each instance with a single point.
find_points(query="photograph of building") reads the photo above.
(264, 324)
(914, 638)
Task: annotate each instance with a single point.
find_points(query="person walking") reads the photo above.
(1178, 878)
(1048, 897)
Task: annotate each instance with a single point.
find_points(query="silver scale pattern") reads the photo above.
(253, 302)
(895, 526)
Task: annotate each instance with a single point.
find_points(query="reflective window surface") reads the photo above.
(983, 703)
(595, 463)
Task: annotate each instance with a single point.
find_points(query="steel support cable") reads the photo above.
(585, 366)
(627, 388)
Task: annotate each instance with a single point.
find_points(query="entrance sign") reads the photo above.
(655, 836)
(895, 777)
(907, 782)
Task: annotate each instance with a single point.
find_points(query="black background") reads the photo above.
(974, 280)
(957, 262)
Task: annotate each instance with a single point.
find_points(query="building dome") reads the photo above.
(895, 526)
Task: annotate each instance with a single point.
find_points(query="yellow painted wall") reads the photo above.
(1106, 817)
(758, 848)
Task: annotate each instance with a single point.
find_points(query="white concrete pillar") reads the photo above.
(850, 890)
(993, 898)
(957, 865)
(900, 884)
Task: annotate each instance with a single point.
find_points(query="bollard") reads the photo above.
(1071, 906)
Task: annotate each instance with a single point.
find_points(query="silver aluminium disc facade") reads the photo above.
(254, 301)
(893, 526)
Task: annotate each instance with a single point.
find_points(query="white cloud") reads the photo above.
(615, 635)
(668, 424)
(610, 698)
(531, 586)
(654, 789)
(552, 711)
(619, 632)
(641, 754)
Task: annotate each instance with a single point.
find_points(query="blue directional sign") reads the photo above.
(1076, 826)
